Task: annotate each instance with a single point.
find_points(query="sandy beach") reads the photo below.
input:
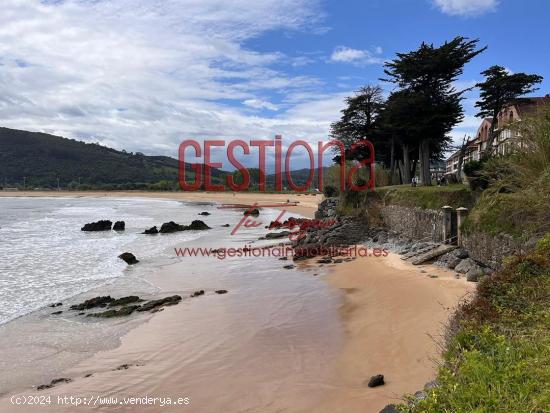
(392, 315)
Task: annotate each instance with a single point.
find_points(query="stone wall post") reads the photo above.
(447, 217)
(461, 214)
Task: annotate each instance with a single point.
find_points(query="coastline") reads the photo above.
(391, 312)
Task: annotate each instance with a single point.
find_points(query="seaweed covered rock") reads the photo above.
(100, 301)
(125, 300)
(124, 311)
(153, 304)
(103, 225)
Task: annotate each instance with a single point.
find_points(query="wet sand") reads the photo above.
(307, 204)
(390, 320)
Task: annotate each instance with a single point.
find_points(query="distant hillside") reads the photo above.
(41, 159)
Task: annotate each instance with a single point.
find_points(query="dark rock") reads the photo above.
(474, 275)
(125, 300)
(152, 230)
(119, 226)
(81, 313)
(124, 311)
(53, 383)
(283, 258)
(93, 302)
(376, 381)
(198, 225)
(390, 408)
(197, 293)
(420, 395)
(254, 212)
(461, 253)
(324, 260)
(288, 267)
(431, 385)
(88, 375)
(103, 225)
(221, 291)
(204, 213)
(57, 312)
(123, 367)
(55, 305)
(169, 227)
(128, 258)
(226, 225)
(171, 300)
(466, 265)
(338, 261)
(275, 235)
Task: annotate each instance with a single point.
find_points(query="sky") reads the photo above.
(143, 75)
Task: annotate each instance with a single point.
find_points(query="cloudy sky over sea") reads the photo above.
(142, 75)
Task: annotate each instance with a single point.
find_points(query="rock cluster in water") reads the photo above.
(123, 306)
(103, 225)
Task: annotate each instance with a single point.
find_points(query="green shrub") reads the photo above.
(330, 191)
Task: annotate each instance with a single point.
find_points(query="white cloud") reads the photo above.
(343, 54)
(260, 104)
(466, 7)
(143, 75)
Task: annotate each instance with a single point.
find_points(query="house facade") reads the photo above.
(506, 138)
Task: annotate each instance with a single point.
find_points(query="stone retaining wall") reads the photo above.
(491, 250)
(414, 223)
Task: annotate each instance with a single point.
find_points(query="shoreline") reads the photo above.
(391, 313)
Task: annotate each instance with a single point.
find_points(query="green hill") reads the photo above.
(40, 159)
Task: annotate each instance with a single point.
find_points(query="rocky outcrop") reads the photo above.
(53, 383)
(198, 225)
(327, 209)
(124, 311)
(204, 213)
(103, 225)
(170, 227)
(100, 301)
(119, 226)
(128, 258)
(319, 239)
(151, 231)
(166, 301)
(276, 235)
(253, 212)
(125, 300)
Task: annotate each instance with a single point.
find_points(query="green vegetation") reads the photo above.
(517, 197)
(498, 349)
(429, 197)
(410, 128)
(38, 160)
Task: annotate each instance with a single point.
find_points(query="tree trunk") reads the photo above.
(392, 161)
(424, 152)
(406, 173)
(400, 169)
